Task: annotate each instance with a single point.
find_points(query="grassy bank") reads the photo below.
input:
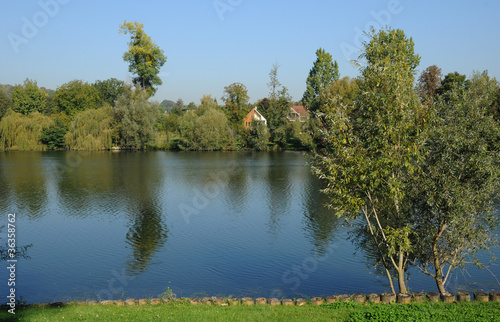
(326, 312)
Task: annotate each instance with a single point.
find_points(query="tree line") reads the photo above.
(417, 161)
(111, 113)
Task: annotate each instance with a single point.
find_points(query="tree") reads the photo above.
(236, 102)
(109, 90)
(208, 132)
(274, 84)
(429, 82)
(76, 96)
(28, 98)
(23, 132)
(453, 197)
(136, 117)
(54, 137)
(192, 106)
(91, 130)
(259, 136)
(321, 76)
(144, 56)
(206, 102)
(369, 150)
(167, 105)
(485, 88)
(343, 91)
(450, 81)
(179, 104)
(5, 102)
(276, 108)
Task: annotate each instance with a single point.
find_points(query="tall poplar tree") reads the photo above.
(144, 56)
(324, 72)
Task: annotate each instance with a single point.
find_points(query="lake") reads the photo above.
(110, 225)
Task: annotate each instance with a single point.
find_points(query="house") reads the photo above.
(253, 116)
(298, 113)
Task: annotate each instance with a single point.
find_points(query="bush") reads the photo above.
(54, 137)
(209, 132)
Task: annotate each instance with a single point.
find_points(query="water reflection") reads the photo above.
(22, 179)
(139, 181)
(81, 180)
(321, 223)
(279, 188)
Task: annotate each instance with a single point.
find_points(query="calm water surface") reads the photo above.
(116, 225)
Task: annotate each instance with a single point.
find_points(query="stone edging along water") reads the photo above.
(371, 298)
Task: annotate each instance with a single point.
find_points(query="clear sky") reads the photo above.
(210, 44)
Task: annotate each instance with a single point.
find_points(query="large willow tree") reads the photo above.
(91, 130)
(370, 148)
(20, 132)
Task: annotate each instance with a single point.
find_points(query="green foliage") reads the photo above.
(76, 96)
(28, 98)
(206, 102)
(259, 136)
(484, 88)
(342, 92)
(453, 198)
(91, 130)
(168, 294)
(144, 56)
(324, 72)
(452, 81)
(276, 109)
(301, 131)
(398, 239)
(21, 132)
(236, 102)
(369, 150)
(5, 102)
(136, 118)
(54, 137)
(167, 105)
(208, 132)
(109, 90)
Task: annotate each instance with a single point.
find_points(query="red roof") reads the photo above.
(301, 110)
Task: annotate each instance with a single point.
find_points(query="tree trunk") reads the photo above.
(438, 276)
(437, 263)
(401, 274)
(390, 281)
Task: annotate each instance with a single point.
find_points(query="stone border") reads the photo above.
(372, 298)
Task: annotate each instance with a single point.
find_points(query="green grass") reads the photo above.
(326, 312)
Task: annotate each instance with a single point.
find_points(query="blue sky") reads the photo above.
(210, 44)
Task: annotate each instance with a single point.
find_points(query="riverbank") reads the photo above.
(185, 311)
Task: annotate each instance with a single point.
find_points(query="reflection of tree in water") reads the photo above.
(139, 179)
(84, 180)
(22, 177)
(279, 187)
(145, 236)
(321, 223)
